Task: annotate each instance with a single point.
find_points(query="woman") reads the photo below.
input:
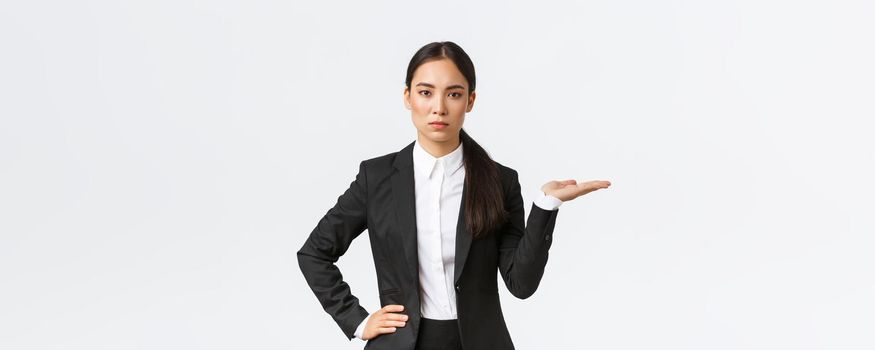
(442, 218)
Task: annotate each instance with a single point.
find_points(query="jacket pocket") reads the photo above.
(389, 291)
(390, 296)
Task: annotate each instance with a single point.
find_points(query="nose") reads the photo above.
(440, 106)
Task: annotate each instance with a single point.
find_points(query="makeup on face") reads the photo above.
(438, 125)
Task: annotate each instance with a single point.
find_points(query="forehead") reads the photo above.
(442, 72)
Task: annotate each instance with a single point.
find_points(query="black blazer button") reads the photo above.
(548, 238)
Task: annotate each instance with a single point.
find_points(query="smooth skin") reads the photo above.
(440, 93)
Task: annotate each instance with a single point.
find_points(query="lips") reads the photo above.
(438, 125)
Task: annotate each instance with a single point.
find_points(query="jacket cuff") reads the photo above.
(359, 332)
(547, 202)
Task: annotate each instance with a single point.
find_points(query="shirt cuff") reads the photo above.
(359, 332)
(547, 202)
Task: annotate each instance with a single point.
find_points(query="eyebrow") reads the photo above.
(455, 86)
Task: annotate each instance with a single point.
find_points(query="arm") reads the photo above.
(523, 248)
(330, 240)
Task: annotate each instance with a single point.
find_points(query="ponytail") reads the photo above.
(484, 199)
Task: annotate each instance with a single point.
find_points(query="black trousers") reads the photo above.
(438, 335)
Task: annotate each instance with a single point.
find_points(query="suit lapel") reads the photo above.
(404, 192)
(463, 238)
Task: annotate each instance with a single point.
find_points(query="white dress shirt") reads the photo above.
(438, 185)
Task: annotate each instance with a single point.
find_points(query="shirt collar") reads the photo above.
(425, 163)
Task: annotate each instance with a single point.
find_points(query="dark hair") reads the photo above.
(484, 202)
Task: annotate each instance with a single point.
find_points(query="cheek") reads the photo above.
(458, 107)
(420, 107)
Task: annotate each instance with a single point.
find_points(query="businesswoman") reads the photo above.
(443, 220)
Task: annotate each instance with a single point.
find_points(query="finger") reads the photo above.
(393, 308)
(594, 185)
(395, 317)
(602, 184)
(383, 330)
(392, 324)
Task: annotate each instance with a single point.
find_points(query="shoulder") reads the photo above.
(509, 176)
(378, 168)
(505, 170)
(387, 161)
(383, 161)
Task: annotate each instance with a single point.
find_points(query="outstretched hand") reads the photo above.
(567, 190)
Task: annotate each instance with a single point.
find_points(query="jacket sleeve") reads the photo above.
(330, 240)
(523, 248)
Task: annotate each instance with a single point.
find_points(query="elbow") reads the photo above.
(522, 281)
(304, 261)
(523, 295)
(303, 256)
(523, 292)
(308, 261)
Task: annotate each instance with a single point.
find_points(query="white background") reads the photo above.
(162, 161)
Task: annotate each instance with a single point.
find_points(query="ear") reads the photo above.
(471, 98)
(406, 97)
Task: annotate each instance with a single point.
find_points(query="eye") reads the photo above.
(424, 92)
(456, 94)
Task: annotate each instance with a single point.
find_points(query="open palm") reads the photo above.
(567, 190)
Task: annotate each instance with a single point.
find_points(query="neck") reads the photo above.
(438, 149)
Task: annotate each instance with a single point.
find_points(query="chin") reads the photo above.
(436, 136)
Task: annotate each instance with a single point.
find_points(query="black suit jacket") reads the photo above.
(381, 200)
